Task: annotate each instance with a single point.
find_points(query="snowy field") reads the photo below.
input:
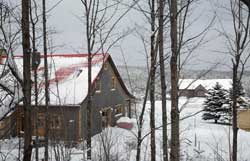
(200, 140)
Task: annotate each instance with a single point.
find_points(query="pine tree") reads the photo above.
(240, 93)
(240, 90)
(216, 105)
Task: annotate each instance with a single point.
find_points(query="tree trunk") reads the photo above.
(175, 142)
(140, 124)
(234, 111)
(27, 83)
(163, 81)
(236, 80)
(46, 152)
(89, 95)
(34, 68)
(89, 111)
(152, 82)
(89, 37)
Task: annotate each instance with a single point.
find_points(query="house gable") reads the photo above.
(111, 98)
(200, 91)
(111, 81)
(199, 87)
(69, 89)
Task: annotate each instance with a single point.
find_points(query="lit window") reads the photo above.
(113, 83)
(98, 85)
(119, 109)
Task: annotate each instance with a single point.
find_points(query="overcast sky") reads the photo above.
(71, 32)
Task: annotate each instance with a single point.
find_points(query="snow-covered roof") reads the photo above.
(68, 77)
(206, 83)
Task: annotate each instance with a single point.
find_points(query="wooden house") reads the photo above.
(243, 113)
(199, 88)
(68, 75)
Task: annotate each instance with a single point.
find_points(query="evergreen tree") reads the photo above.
(216, 105)
(240, 90)
(240, 93)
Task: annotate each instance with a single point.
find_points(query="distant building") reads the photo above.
(68, 79)
(199, 87)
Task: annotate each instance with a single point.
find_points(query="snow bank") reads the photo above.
(124, 120)
(206, 83)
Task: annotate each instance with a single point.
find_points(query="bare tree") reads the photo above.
(153, 55)
(46, 153)
(161, 4)
(34, 19)
(99, 26)
(10, 32)
(175, 140)
(238, 47)
(26, 80)
(178, 24)
(155, 42)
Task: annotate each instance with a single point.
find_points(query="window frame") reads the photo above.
(113, 83)
(119, 109)
(53, 121)
(40, 120)
(98, 85)
(105, 66)
(2, 124)
(106, 120)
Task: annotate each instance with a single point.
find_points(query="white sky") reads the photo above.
(71, 33)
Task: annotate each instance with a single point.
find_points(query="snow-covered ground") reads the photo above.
(200, 140)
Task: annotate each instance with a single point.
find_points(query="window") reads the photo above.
(105, 66)
(41, 121)
(1, 124)
(119, 109)
(98, 85)
(55, 121)
(200, 93)
(22, 122)
(113, 83)
(106, 116)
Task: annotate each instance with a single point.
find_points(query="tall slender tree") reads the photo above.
(89, 8)
(97, 35)
(241, 41)
(35, 63)
(161, 4)
(153, 54)
(26, 80)
(99, 29)
(46, 151)
(238, 42)
(175, 115)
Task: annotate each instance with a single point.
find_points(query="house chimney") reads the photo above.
(2, 55)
